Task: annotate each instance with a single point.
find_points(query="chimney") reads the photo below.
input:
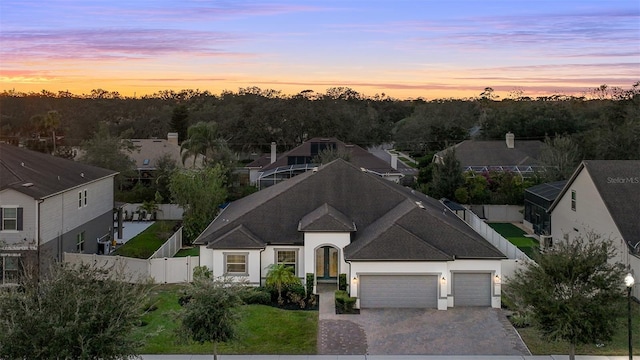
(394, 161)
(172, 138)
(511, 140)
(273, 152)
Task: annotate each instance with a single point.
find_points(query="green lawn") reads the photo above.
(618, 346)
(507, 229)
(195, 251)
(143, 245)
(261, 330)
(515, 235)
(408, 162)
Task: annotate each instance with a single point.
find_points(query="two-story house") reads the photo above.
(48, 206)
(603, 197)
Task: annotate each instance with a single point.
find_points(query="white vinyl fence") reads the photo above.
(170, 247)
(507, 248)
(158, 271)
(160, 268)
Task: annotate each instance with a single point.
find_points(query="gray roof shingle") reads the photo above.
(496, 153)
(391, 226)
(326, 218)
(40, 175)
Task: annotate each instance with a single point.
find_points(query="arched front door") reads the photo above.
(326, 264)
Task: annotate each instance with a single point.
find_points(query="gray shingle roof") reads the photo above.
(326, 218)
(48, 175)
(496, 153)
(237, 238)
(391, 226)
(149, 151)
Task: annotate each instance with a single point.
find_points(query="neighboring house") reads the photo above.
(149, 151)
(510, 155)
(386, 153)
(602, 196)
(397, 247)
(537, 201)
(272, 169)
(50, 205)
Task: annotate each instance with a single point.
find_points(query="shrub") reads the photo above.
(258, 295)
(309, 284)
(296, 289)
(344, 303)
(520, 320)
(342, 282)
(202, 272)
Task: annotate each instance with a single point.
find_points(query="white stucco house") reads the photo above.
(602, 196)
(397, 247)
(50, 205)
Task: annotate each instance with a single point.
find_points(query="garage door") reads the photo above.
(471, 289)
(398, 291)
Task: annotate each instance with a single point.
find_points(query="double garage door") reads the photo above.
(421, 291)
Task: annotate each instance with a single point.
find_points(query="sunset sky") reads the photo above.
(405, 49)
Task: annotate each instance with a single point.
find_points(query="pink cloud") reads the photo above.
(113, 44)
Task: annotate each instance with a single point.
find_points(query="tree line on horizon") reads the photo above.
(604, 125)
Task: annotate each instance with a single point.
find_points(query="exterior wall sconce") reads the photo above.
(355, 278)
(497, 279)
(443, 280)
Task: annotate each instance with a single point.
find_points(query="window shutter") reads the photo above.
(1, 222)
(20, 219)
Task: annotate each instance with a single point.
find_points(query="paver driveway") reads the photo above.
(456, 331)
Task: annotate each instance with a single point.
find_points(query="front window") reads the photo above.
(573, 200)
(80, 242)
(9, 268)
(85, 197)
(9, 218)
(287, 258)
(79, 199)
(235, 264)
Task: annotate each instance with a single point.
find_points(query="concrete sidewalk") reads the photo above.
(378, 357)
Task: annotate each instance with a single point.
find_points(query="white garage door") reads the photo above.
(471, 289)
(398, 291)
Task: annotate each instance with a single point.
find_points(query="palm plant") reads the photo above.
(279, 276)
(202, 139)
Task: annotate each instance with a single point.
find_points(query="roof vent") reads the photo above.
(22, 164)
(363, 169)
(27, 184)
(315, 169)
(58, 177)
(419, 203)
(81, 174)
